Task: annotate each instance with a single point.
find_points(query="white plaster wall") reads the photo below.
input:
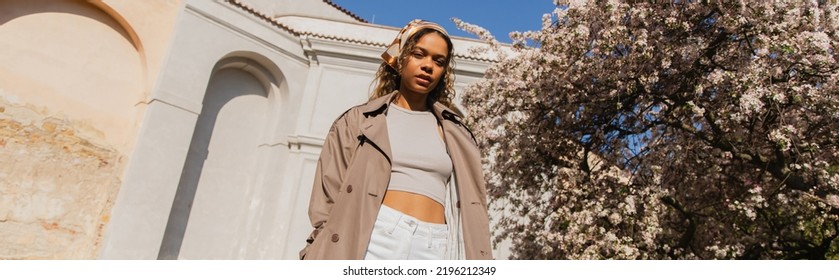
(339, 88)
(227, 153)
(206, 32)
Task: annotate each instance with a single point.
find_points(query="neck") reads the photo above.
(411, 101)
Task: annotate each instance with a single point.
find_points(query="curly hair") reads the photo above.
(389, 79)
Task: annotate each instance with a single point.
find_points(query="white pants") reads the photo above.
(397, 236)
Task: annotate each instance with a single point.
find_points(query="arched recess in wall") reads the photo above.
(130, 34)
(76, 61)
(221, 175)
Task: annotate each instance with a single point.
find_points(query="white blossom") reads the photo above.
(686, 131)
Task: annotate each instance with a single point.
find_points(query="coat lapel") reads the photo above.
(450, 123)
(374, 126)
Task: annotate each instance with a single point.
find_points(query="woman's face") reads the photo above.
(425, 64)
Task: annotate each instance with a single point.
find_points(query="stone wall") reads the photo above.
(57, 185)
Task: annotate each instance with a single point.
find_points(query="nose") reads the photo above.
(427, 66)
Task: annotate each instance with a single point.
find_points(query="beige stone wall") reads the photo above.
(58, 184)
(74, 79)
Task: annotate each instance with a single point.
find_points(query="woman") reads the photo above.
(399, 177)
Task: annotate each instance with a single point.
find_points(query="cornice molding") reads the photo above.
(301, 32)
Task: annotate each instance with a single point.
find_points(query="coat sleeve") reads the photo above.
(338, 149)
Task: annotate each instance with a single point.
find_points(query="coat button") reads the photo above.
(335, 237)
(349, 189)
(458, 204)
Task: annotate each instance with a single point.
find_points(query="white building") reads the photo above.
(184, 129)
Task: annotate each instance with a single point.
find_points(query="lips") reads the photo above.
(423, 80)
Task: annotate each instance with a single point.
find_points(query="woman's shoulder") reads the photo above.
(352, 117)
(347, 118)
(454, 115)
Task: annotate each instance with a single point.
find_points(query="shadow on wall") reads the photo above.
(221, 177)
(217, 165)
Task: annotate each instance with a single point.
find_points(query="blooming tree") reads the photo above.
(665, 131)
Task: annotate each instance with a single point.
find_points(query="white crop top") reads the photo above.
(421, 163)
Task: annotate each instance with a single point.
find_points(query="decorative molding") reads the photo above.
(351, 14)
(237, 30)
(298, 141)
(176, 101)
(261, 15)
(299, 33)
(308, 50)
(341, 53)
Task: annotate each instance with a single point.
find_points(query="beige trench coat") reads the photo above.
(353, 174)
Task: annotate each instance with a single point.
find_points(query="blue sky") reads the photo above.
(499, 17)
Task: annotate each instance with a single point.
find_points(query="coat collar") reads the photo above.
(380, 105)
(374, 126)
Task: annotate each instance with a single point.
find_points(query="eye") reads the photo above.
(417, 54)
(440, 62)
